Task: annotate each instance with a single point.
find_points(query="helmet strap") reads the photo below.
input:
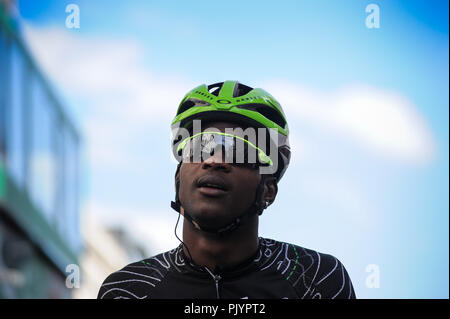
(256, 208)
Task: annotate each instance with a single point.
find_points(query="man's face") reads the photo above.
(215, 192)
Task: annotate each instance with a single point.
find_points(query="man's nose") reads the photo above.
(217, 160)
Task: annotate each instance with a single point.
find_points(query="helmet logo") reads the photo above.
(222, 101)
(224, 104)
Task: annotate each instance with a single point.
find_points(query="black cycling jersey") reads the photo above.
(277, 270)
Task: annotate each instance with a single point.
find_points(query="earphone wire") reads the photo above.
(187, 248)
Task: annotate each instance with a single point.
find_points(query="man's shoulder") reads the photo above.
(137, 279)
(299, 254)
(320, 275)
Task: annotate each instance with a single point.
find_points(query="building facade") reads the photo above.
(106, 250)
(39, 176)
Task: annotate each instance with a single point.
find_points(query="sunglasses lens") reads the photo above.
(234, 150)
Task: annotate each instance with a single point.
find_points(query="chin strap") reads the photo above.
(256, 208)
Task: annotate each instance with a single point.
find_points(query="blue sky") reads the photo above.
(367, 108)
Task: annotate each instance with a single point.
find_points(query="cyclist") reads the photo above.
(232, 145)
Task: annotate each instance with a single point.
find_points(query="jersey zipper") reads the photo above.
(216, 278)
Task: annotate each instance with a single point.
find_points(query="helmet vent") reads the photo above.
(266, 111)
(191, 103)
(214, 89)
(241, 89)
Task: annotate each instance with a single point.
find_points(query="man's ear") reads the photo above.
(270, 189)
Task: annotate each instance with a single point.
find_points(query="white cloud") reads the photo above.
(154, 230)
(380, 121)
(122, 99)
(107, 71)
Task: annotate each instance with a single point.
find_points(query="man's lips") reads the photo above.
(212, 185)
(211, 191)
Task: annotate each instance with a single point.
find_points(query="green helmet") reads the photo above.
(232, 101)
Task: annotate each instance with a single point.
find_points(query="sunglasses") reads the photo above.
(237, 150)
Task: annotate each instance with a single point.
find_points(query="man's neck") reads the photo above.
(213, 251)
